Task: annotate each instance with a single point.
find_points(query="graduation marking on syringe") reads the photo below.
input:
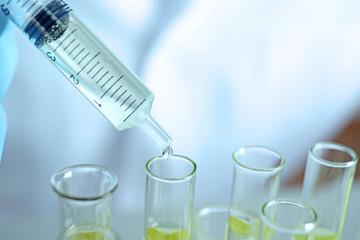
(83, 59)
(69, 44)
(74, 49)
(88, 62)
(130, 105)
(98, 72)
(134, 110)
(116, 91)
(107, 81)
(24, 3)
(121, 95)
(32, 5)
(78, 53)
(92, 67)
(125, 100)
(102, 77)
(65, 39)
(110, 88)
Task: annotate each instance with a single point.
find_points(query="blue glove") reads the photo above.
(8, 59)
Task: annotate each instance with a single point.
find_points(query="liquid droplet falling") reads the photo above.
(167, 152)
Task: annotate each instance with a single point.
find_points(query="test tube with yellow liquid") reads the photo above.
(85, 193)
(287, 219)
(329, 174)
(169, 198)
(256, 180)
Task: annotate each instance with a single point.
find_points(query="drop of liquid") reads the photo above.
(167, 152)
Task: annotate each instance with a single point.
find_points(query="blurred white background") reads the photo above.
(284, 74)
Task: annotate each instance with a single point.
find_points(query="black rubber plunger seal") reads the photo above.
(49, 23)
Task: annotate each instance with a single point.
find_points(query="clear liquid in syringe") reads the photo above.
(88, 64)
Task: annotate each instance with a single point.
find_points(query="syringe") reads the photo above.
(87, 63)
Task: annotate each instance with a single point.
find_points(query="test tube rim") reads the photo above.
(216, 208)
(272, 169)
(167, 179)
(334, 146)
(289, 230)
(73, 197)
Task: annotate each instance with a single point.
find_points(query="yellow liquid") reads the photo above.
(166, 234)
(319, 234)
(302, 237)
(88, 236)
(330, 237)
(325, 234)
(306, 237)
(246, 228)
(87, 232)
(232, 235)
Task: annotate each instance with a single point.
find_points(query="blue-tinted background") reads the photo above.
(284, 74)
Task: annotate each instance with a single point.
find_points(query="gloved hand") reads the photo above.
(8, 59)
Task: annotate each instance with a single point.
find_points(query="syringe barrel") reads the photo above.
(85, 61)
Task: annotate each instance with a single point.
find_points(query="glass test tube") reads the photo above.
(210, 223)
(256, 180)
(169, 198)
(286, 219)
(85, 193)
(329, 174)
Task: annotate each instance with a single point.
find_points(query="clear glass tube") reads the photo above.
(256, 180)
(84, 195)
(210, 223)
(329, 175)
(89, 65)
(169, 198)
(287, 219)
